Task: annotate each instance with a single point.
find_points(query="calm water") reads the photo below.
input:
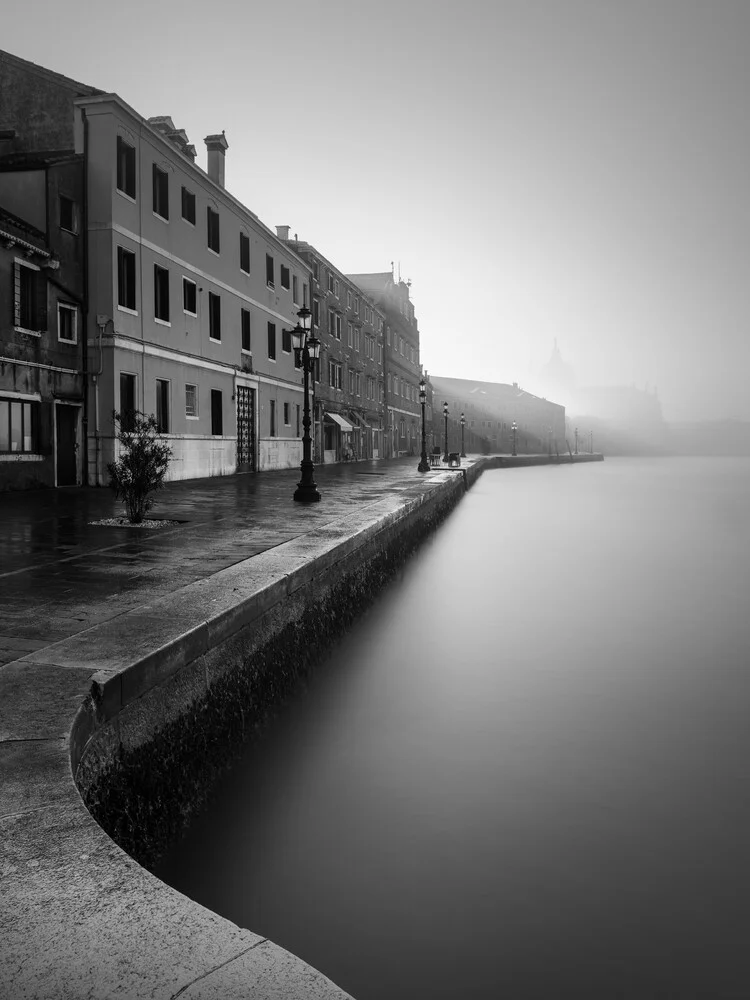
(525, 773)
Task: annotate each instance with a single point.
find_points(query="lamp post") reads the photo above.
(306, 351)
(576, 448)
(514, 429)
(424, 465)
(463, 424)
(549, 441)
(445, 415)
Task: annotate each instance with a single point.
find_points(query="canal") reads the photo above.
(524, 773)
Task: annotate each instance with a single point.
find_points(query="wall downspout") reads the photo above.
(85, 331)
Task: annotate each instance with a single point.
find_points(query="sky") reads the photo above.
(538, 169)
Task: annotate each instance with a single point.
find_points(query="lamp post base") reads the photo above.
(424, 465)
(306, 493)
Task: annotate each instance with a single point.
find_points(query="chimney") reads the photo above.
(217, 146)
(283, 232)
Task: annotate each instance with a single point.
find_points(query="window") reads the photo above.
(349, 335)
(161, 294)
(191, 401)
(337, 326)
(188, 206)
(27, 304)
(272, 341)
(298, 409)
(245, 253)
(388, 336)
(125, 278)
(287, 420)
(161, 192)
(356, 339)
(245, 326)
(272, 417)
(269, 271)
(295, 289)
(217, 413)
(335, 373)
(348, 298)
(367, 314)
(380, 354)
(212, 230)
(330, 282)
(286, 342)
(316, 269)
(214, 316)
(127, 401)
(316, 312)
(68, 214)
(284, 276)
(356, 305)
(189, 297)
(162, 406)
(336, 287)
(67, 323)
(17, 425)
(125, 167)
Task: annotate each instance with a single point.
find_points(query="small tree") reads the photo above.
(143, 463)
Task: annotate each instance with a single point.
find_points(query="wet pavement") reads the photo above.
(60, 574)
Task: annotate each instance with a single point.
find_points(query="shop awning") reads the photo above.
(359, 419)
(343, 424)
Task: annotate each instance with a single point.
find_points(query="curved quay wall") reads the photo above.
(136, 718)
(139, 716)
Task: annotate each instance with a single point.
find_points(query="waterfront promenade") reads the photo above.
(115, 611)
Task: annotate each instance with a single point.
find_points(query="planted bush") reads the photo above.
(143, 463)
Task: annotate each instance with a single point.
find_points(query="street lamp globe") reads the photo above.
(305, 319)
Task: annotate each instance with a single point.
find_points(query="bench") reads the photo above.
(454, 460)
(434, 459)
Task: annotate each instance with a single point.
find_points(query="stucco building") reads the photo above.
(401, 361)
(190, 297)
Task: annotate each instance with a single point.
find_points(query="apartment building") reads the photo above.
(350, 382)
(191, 299)
(41, 364)
(401, 361)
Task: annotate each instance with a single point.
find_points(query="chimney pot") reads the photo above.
(217, 146)
(283, 232)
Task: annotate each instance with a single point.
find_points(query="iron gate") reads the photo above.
(245, 429)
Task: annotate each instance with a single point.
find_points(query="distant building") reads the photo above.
(490, 408)
(402, 364)
(350, 384)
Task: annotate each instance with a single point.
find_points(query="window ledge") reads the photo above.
(188, 313)
(162, 322)
(188, 222)
(215, 340)
(216, 253)
(243, 271)
(161, 218)
(130, 312)
(126, 196)
(70, 343)
(29, 333)
(20, 456)
(191, 418)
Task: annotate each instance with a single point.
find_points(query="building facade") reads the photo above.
(490, 409)
(41, 365)
(349, 401)
(402, 361)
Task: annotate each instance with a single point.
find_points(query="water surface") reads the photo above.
(524, 773)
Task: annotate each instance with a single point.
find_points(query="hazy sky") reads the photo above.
(575, 169)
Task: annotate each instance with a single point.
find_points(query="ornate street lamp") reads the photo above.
(514, 429)
(424, 465)
(306, 352)
(445, 415)
(463, 424)
(549, 441)
(576, 449)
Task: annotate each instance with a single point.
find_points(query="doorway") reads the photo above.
(66, 447)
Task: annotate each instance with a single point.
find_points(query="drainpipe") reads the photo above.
(85, 324)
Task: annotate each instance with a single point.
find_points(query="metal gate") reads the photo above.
(245, 429)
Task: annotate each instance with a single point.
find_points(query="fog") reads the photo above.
(574, 170)
(522, 776)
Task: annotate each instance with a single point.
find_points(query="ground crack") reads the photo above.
(216, 969)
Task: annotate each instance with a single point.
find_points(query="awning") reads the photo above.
(359, 419)
(343, 424)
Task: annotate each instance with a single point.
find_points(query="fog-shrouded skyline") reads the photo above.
(574, 170)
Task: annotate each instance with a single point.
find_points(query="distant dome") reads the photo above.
(557, 377)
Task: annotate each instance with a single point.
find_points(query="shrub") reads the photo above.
(143, 463)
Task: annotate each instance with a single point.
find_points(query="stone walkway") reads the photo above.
(59, 574)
